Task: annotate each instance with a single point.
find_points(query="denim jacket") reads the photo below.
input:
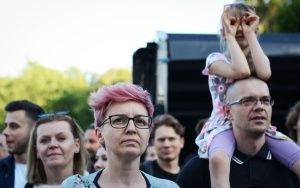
(78, 181)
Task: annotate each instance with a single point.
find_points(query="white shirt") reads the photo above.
(20, 175)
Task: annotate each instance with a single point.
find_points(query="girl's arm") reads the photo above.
(239, 67)
(260, 62)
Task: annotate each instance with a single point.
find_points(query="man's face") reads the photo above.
(91, 142)
(249, 120)
(17, 131)
(168, 144)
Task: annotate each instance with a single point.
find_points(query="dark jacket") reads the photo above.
(7, 172)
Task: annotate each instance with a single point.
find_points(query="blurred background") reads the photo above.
(55, 52)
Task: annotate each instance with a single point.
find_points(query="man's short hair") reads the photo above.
(31, 109)
(169, 121)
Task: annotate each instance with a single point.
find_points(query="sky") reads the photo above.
(94, 35)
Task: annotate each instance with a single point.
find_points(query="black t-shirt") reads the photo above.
(152, 168)
(259, 171)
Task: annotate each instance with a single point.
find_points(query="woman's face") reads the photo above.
(128, 143)
(101, 157)
(56, 145)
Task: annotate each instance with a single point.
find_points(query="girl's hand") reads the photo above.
(230, 23)
(249, 23)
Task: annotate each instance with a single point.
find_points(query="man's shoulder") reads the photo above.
(8, 161)
(158, 182)
(147, 167)
(195, 173)
(261, 170)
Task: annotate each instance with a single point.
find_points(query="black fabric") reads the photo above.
(147, 167)
(7, 172)
(91, 164)
(152, 168)
(28, 185)
(259, 171)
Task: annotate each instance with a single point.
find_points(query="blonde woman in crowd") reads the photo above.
(56, 151)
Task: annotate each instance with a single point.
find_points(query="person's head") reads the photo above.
(150, 153)
(56, 142)
(3, 147)
(90, 141)
(199, 125)
(101, 159)
(293, 121)
(20, 118)
(114, 107)
(249, 107)
(168, 137)
(236, 10)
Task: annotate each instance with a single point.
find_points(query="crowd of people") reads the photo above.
(238, 145)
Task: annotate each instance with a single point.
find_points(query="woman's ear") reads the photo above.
(77, 145)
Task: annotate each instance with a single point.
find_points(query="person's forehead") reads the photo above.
(127, 107)
(90, 133)
(53, 128)
(250, 88)
(165, 131)
(18, 116)
(235, 12)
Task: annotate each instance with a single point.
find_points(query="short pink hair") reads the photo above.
(119, 92)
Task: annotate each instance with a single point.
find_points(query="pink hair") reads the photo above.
(119, 92)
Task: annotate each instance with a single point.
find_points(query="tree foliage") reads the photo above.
(55, 90)
(278, 16)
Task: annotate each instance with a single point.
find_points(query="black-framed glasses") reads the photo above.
(251, 101)
(59, 113)
(121, 121)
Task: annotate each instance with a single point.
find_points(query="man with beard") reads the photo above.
(168, 140)
(249, 109)
(20, 119)
(92, 145)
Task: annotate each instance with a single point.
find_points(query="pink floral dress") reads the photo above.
(218, 122)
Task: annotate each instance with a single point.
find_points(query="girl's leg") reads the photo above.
(219, 154)
(287, 152)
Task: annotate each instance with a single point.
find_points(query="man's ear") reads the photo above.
(182, 141)
(226, 110)
(99, 135)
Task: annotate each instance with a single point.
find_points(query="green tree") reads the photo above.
(55, 90)
(278, 16)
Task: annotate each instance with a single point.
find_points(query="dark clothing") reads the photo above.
(90, 165)
(7, 172)
(28, 185)
(259, 171)
(152, 168)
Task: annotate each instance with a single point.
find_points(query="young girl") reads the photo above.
(242, 58)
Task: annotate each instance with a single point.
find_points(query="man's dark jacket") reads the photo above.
(7, 172)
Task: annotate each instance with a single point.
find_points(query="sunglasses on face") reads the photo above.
(59, 113)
